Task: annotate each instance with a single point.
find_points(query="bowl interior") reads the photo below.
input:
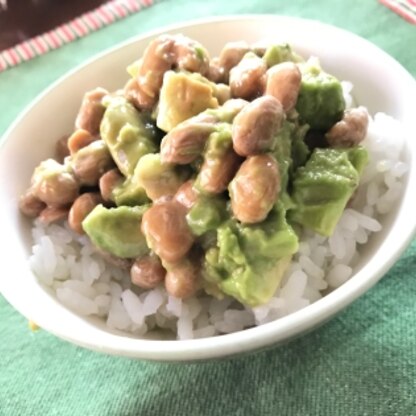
(380, 84)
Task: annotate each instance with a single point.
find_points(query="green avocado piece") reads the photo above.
(358, 156)
(117, 230)
(128, 133)
(283, 153)
(299, 151)
(219, 141)
(290, 152)
(248, 261)
(272, 238)
(290, 149)
(320, 101)
(130, 193)
(159, 179)
(275, 54)
(322, 188)
(256, 287)
(220, 91)
(183, 96)
(206, 215)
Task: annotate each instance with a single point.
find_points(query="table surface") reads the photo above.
(363, 362)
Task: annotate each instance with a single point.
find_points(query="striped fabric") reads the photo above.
(77, 28)
(404, 8)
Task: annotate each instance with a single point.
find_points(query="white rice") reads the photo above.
(86, 284)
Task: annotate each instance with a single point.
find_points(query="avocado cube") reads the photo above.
(117, 230)
(320, 102)
(183, 96)
(323, 187)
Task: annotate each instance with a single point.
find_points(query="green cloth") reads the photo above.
(363, 362)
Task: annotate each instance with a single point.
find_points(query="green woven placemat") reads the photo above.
(363, 362)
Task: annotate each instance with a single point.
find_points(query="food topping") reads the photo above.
(247, 79)
(147, 272)
(283, 83)
(351, 130)
(166, 230)
(197, 173)
(255, 188)
(256, 126)
(91, 111)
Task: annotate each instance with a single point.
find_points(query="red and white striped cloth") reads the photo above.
(114, 10)
(74, 29)
(404, 8)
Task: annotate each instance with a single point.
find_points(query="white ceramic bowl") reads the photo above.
(380, 83)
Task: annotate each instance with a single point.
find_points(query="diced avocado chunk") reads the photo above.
(320, 101)
(275, 54)
(322, 188)
(290, 152)
(117, 230)
(248, 262)
(300, 150)
(254, 287)
(219, 142)
(206, 215)
(220, 91)
(283, 152)
(272, 238)
(130, 193)
(128, 134)
(157, 178)
(183, 96)
(358, 156)
(223, 114)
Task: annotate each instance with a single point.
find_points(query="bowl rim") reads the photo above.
(254, 338)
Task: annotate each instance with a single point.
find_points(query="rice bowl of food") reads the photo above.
(216, 197)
